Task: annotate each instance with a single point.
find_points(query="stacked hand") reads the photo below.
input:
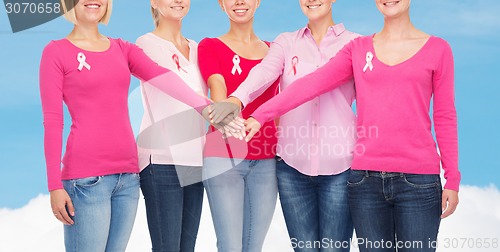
(225, 116)
(252, 126)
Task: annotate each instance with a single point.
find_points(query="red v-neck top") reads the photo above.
(215, 57)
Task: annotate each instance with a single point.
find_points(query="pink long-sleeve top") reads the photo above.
(393, 103)
(94, 86)
(317, 137)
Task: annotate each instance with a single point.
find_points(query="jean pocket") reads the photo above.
(88, 182)
(422, 180)
(356, 178)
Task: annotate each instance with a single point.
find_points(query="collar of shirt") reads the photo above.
(336, 29)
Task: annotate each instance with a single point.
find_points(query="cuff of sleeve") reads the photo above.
(244, 102)
(200, 109)
(453, 182)
(55, 186)
(260, 118)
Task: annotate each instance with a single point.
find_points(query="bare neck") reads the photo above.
(398, 28)
(243, 33)
(320, 28)
(85, 32)
(171, 31)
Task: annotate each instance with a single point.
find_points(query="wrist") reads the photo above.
(235, 100)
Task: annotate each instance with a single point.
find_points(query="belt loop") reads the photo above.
(366, 174)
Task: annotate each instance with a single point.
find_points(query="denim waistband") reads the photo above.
(381, 174)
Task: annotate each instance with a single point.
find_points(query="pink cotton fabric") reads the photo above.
(393, 103)
(101, 141)
(317, 137)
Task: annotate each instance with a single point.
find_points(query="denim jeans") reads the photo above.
(242, 202)
(173, 212)
(316, 209)
(395, 211)
(105, 209)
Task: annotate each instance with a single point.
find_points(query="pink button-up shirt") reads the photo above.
(318, 137)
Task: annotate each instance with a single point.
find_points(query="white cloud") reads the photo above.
(32, 228)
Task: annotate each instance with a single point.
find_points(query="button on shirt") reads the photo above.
(318, 137)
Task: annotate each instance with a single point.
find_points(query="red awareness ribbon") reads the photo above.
(175, 58)
(295, 61)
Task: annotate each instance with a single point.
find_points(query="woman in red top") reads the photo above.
(239, 177)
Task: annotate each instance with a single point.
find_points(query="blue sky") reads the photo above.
(471, 27)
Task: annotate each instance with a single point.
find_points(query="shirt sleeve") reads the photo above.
(51, 78)
(445, 118)
(337, 71)
(264, 74)
(208, 59)
(165, 80)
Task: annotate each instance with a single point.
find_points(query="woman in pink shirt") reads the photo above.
(96, 193)
(312, 163)
(171, 137)
(239, 177)
(395, 192)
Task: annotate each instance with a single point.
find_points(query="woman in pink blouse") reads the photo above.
(395, 192)
(96, 193)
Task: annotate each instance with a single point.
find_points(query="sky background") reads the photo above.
(471, 27)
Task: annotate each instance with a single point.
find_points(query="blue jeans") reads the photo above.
(316, 209)
(173, 212)
(402, 210)
(242, 201)
(105, 208)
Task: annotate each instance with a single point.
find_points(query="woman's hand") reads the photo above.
(61, 204)
(235, 129)
(217, 112)
(225, 117)
(252, 126)
(449, 203)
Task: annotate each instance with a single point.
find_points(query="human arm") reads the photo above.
(51, 94)
(165, 80)
(211, 73)
(445, 118)
(333, 74)
(260, 78)
(263, 75)
(445, 126)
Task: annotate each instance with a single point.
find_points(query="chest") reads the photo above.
(235, 68)
(413, 76)
(393, 53)
(304, 56)
(87, 72)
